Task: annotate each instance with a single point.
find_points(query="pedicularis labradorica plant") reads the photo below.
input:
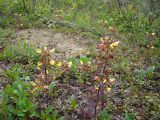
(102, 78)
(42, 81)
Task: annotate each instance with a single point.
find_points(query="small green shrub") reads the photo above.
(104, 115)
(22, 52)
(16, 72)
(148, 73)
(9, 53)
(1, 57)
(17, 102)
(25, 52)
(53, 89)
(129, 116)
(73, 103)
(121, 66)
(50, 114)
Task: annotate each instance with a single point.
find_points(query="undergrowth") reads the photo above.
(117, 80)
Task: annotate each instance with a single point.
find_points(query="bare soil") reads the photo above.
(67, 45)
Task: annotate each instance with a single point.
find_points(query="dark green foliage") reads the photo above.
(17, 102)
(17, 72)
(104, 115)
(50, 114)
(22, 52)
(129, 116)
(73, 103)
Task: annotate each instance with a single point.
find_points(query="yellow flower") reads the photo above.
(59, 64)
(52, 62)
(45, 48)
(34, 90)
(39, 51)
(101, 38)
(47, 71)
(38, 68)
(37, 81)
(39, 63)
(70, 64)
(110, 27)
(81, 62)
(96, 87)
(105, 21)
(111, 79)
(33, 83)
(54, 77)
(114, 44)
(107, 38)
(105, 81)
(108, 89)
(153, 33)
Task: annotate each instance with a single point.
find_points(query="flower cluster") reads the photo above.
(106, 83)
(103, 80)
(46, 58)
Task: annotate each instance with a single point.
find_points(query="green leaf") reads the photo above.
(104, 115)
(129, 116)
(73, 102)
(49, 110)
(55, 114)
(85, 59)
